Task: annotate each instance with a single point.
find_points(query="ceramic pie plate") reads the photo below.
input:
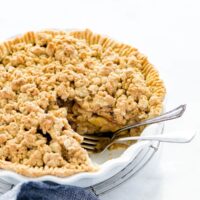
(110, 163)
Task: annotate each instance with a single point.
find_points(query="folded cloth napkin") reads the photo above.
(48, 191)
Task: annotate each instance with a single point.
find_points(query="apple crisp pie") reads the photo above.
(55, 86)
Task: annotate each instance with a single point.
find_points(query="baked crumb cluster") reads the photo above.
(60, 87)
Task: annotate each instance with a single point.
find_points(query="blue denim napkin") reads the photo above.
(53, 191)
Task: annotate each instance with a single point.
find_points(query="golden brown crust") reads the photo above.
(133, 92)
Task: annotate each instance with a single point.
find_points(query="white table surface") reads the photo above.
(169, 33)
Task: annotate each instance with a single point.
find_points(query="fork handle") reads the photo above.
(175, 137)
(173, 114)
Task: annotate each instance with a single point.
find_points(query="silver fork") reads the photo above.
(99, 141)
(172, 138)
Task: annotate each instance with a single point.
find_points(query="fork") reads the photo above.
(173, 138)
(99, 141)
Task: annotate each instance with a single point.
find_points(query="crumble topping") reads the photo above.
(60, 87)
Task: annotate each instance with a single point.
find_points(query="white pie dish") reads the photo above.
(108, 167)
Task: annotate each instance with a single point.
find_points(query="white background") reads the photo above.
(168, 32)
